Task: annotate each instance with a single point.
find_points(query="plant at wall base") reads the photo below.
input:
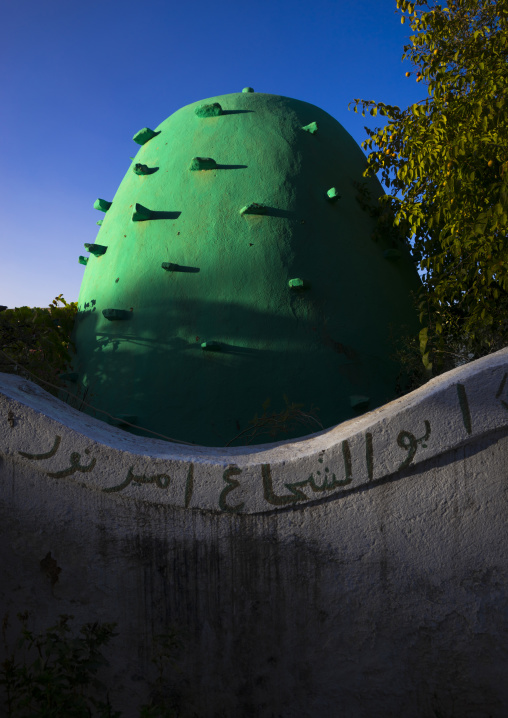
(38, 340)
(53, 674)
(164, 702)
(56, 673)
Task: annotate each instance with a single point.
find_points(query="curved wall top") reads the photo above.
(44, 433)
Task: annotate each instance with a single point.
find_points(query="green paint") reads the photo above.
(47, 455)
(358, 402)
(271, 496)
(253, 208)
(189, 486)
(95, 249)
(298, 284)
(72, 376)
(123, 419)
(140, 169)
(409, 442)
(102, 205)
(501, 389)
(464, 407)
(144, 135)
(116, 314)
(329, 483)
(237, 292)
(232, 484)
(332, 195)
(162, 481)
(141, 213)
(202, 163)
(211, 110)
(75, 466)
(348, 467)
(369, 455)
(312, 128)
(392, 254)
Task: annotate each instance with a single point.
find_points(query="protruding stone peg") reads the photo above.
(359, 402)
(392, 254)
(203, 163)
(169, 266)
(141, 213)
(211, 346)
(100, 222)
(332, 195)
(115, 314)
(248, 89)
(69, 376)
(144, 135)
(140, 169)
(298, 284)
(83, 260)
(212, 110)
(312, 128)
(253, 208)
(102, 205)
(95, 249)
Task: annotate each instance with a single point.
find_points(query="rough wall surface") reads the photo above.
(376, 588)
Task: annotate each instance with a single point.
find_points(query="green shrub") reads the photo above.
(56, 673)
(38, 340)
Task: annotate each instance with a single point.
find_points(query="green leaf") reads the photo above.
(423, 335)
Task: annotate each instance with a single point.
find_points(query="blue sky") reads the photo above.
(78, 80)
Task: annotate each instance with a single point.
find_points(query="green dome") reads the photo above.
(235, 273)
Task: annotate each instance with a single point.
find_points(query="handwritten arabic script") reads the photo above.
(350, 464)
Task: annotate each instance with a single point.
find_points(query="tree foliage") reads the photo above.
(38, 339)
(444, 160)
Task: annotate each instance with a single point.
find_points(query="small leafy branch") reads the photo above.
(57, 673)
(277, 424)
(39, 339)
(53, 674)
(163, 701)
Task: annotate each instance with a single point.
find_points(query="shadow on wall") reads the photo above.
(209, 395)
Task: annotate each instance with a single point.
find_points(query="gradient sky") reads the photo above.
(79, 79)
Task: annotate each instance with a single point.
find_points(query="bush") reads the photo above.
(38, 340)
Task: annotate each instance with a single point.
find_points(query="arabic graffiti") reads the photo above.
(47, 455)
(231, 485)
(464, 407)
(270, 495)
(189, 485)
(369, 455)
(409, 442)
(75, 466)
(500, 391)
(160, 480)
(333, 471)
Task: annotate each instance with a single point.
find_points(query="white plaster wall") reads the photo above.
(382, 595)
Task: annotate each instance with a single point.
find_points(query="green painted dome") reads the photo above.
(234, 274)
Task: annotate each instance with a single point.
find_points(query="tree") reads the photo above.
(445, 161)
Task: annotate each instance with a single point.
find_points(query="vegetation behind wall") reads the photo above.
(35, 342)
